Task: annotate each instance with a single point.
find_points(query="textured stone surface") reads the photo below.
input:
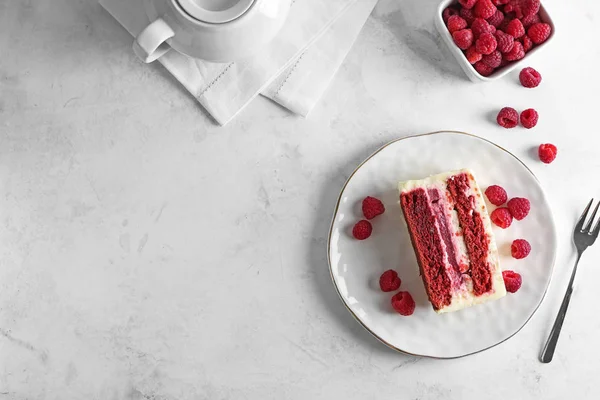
(146, 253)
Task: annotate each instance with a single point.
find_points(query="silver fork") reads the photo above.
(583, 238)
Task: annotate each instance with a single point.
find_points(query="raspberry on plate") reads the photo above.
(492, 60)
(362, 230)
(389, 281)
(403, 303)
(505, 41)
(501, 217)
(496, 19)
(448, 12)
(472, 55)
(486, 43)
(463, 38)
(523, 8)
(547, 152)
(484, 9)
(520, 248)
(529, 118)
(496, 195)
(512, 281)
(508, 117)
(467, 3)
(539, 33)
(516, 53)
(456, 23)
(519, 207)
(529, 77)
(515, 28)
(372, 207)
(483, 69)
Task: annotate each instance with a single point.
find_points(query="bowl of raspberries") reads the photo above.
(489, 38)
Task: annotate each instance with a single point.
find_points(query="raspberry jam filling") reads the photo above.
(438, 205)
(429, 249)
(476, 240)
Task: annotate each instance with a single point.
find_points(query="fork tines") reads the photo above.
(588, 227)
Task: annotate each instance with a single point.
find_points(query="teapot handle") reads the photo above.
(150, 44)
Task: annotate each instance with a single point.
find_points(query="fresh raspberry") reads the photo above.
(372, 207)
(515, 28)
(529, 118)
(520, 248)
(448, 12)
(468, 15)
(526, 42)
(362, 230)
(504, 62)
(500, 2)
(501, 217)
(505, 41)
(472, 55)
(467, 3)
(389, 281)
(484, 9)
(547, 152)
(403, 303)
(505, 22)
(480, 26)
(512, 281)
(456, 23)
(496, 19)
(538, 33)
(523, 8)
(508, 118)
(519, 207)
(529, 77)
(492, 60)
(530, 20)
(496, 195)
(486, 43)
(516, 53)
(483, 69)
(463, 38)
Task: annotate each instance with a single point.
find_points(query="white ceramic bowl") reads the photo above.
(464, 63)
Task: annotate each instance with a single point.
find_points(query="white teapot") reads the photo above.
(213, 30)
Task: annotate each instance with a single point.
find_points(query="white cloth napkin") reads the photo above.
(225, 89)
(303, 83)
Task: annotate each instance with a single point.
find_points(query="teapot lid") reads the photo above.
(215, 11)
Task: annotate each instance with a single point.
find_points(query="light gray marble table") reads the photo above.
(146, 253)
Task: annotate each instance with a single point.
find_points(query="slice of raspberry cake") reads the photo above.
(452, 236)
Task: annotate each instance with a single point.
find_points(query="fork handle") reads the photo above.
(548, 351)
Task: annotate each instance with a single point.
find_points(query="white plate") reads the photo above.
(356, 265)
